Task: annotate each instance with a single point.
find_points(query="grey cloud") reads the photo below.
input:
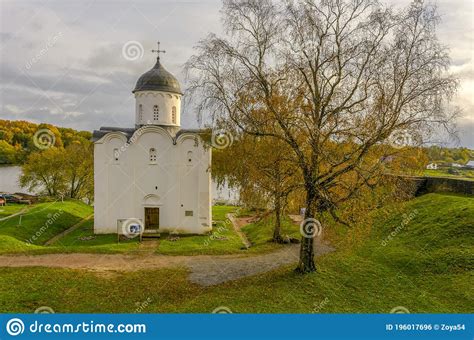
(5, 36)
(466, 133)
(85, 72)
(70, 81)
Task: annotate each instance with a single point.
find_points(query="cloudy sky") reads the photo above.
(62, 61)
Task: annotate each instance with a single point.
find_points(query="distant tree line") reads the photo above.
(61, 172)
(449, 155)
(17, 142)
(55, 161)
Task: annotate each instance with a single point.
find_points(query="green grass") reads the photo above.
(10, 209)
(260, 233)
(83, 240)
(439, 233)
(222, 240)
(43, 221)
(426, 266)
(10, 245)
(185, 245)
(17, 239)
(247, 212)
(105, 244)
(462, 174)
(219, 212)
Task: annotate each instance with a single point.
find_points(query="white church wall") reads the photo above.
(112, 182)
(205, 189)
(155, 177)
(189, 181)
(172, 183)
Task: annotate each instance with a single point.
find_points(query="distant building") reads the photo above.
(387, 159)
(456, 165)
(470, 164)
(432, 166)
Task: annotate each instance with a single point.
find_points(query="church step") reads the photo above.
(151, 235)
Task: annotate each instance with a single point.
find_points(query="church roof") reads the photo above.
(158, 79)
(98, 134)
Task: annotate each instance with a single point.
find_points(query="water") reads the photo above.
(224, 194)
(9, 180)
(10, 175)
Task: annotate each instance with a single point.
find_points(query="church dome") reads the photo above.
(158, 79)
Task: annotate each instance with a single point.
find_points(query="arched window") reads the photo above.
(152, 155)
(156, 112)
(173, 114)
(140, 112)
(116, 155)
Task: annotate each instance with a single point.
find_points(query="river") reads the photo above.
(9, 177)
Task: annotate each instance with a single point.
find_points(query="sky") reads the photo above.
(63, 61)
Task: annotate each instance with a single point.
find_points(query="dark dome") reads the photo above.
(158, 79)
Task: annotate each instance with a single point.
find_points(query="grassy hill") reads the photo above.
(44, 220)
(41, 222)
(38, 223)
(418, 255)
(11, 209)
(438, 240)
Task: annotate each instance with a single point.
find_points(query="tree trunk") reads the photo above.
(278, 199)
(306, 263)
(73, 182)
(277, 229)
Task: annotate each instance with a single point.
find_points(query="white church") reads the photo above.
(155, 173)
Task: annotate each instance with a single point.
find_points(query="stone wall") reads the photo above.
(425, 185)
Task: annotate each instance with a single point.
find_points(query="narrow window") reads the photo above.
(152, 155)
(116, 155)
(140, 112)
(173, 114)
(190, 156)
(156, 112)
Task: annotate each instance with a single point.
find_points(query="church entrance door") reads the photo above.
(152, 219)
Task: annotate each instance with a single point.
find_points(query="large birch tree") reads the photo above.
(332, 79)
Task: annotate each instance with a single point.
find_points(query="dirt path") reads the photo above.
(217, 270)
(238, 223)
(205, 270)
(297, 219)
(67, 231)
(148, 246)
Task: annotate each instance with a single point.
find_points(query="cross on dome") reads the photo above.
(158, 78)
(158, 51)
